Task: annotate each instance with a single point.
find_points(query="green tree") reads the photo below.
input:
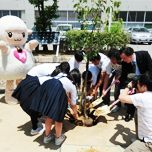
(94, 9)
(46, 15)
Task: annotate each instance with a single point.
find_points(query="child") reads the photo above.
(93, 72)
(26, 89)
(76, 60)
(51, 100)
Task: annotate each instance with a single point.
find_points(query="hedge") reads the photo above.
(101, 40)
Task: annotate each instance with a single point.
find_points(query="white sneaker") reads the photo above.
(48, 138)
(39, 130)
(60, 140)
(42, 118)
(41, 124)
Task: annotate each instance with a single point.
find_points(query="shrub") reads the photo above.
(101, 40)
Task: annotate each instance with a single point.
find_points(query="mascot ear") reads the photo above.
(29, 31)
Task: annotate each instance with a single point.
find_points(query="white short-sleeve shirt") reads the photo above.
(104, 64)
(143, 102)
(95, 71)
(67, 85)
(43, 69)
(74, 64)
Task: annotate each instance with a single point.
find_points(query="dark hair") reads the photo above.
(89, 76)
(114, 53)
(63, 67)
(128, 51)
(97, 57)
(146, 79)
(79, 56)
(75, 76)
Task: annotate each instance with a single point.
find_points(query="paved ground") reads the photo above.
(111, 133)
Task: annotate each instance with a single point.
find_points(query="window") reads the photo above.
(139, 30)
(36, 13)
(76, 24)
(136, 19)
(148, 26)
(63, 16)
(140, 17)
(5, 13)
(54, 24)
(148, 17)
(122, 15)
(72, 16)
(90, 16)
(10, 12)
(15, 13)
(131, 16)
(66, 17)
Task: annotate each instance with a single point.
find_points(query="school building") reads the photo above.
(133, 12)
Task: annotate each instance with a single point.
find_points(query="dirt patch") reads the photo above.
(101, 149)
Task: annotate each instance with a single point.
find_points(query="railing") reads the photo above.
(46, 38)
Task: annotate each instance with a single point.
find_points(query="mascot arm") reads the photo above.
(31, 45)
(4, 47)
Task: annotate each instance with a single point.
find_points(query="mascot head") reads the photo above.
(13, 30)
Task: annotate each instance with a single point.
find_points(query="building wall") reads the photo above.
(136, 5)
(28, 11)
(22, 5)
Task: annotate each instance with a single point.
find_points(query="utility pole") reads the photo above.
(110, 18)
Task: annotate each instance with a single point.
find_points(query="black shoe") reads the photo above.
(128, 117)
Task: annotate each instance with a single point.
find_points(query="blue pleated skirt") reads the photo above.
(51, 100)
(25, 92)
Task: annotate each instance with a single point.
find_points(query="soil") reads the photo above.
(94, 150)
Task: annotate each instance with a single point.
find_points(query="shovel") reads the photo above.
(99, 100)
(104, 109)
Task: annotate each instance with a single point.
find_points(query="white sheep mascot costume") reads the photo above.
(16, 57)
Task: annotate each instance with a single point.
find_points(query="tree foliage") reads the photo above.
(101, 41)
(93, 9)
(46, 14)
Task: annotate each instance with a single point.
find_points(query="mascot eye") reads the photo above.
(23, 34)
(10, 34)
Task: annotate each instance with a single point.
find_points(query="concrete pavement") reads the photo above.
(111, 133)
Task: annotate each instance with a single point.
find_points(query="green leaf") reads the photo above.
(108, 10)
(117, 11)
(73, 46)
(75, 5)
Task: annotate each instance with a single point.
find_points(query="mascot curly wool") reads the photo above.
(16, 57)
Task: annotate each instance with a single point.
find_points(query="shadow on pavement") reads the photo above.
(120, 114)
(2, 100)
(67, 126)
(26, 128)
(2, 91)
(125, 133)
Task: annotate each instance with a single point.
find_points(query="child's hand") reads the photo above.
(75, 116)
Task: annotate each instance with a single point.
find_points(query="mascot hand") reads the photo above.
(32, 44)
(3, 47)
